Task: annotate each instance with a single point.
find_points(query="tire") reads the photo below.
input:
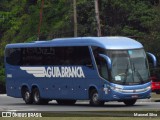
(66, 102)
(27, 96)
(37, 98)
(94, 99)
(130, 102)
(158, 92)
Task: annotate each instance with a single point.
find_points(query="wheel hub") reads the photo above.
(27, 96)
(36, 97)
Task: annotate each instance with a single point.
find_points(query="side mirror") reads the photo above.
(107, 59)
(152, 59)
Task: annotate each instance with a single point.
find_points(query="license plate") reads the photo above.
(134, 96)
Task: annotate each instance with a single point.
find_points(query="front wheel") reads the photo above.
(94, 99)
(130, 102)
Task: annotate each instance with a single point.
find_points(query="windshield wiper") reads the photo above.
(126, 72)
(138, 74)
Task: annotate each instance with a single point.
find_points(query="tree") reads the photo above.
(19, 21)
(154, 2)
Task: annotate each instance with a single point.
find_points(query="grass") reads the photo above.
(154, 95)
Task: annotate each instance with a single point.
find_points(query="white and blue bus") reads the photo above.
(98, 69)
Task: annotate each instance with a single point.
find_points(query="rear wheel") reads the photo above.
(27, 96)
(130, 102)
(37, 98)
(94, 99)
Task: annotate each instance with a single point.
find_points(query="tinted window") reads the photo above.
(13, 56)
(49, 56)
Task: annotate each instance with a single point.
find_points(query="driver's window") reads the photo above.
(102, 68)
(101, 63)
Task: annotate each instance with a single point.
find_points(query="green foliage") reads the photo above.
(2, 75)
(19, 21)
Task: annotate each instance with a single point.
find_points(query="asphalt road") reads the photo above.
(17, 104)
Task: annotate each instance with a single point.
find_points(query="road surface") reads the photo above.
(17, 104)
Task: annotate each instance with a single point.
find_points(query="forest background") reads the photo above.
(19, 21)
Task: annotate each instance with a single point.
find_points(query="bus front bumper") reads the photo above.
(120, 94)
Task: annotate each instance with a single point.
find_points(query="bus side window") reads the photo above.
(83, 55)
(101, 63)
(77, 56)
(13, 56)
(102, 67)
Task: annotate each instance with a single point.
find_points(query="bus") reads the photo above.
(97, 69)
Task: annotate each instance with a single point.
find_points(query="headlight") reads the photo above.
(120, 89)
(148, 88)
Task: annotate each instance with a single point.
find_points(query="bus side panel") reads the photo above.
(54, 88)
(12, 81)
(68, 88)
(50, 88)
(82, 85)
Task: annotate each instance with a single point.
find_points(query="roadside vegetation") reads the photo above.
(19, 21)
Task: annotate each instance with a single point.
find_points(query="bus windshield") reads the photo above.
(129, 66)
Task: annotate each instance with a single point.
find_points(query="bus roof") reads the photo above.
(103, 42)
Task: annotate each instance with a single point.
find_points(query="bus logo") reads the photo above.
(62, 72)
